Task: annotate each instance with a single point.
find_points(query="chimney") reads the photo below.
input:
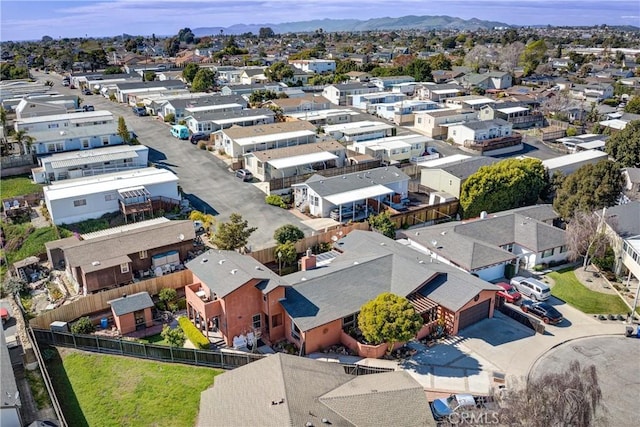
(308, 262)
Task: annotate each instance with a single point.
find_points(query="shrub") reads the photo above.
(175, 337)
(193, 334)
(182, 304)
(167, 295)
(571, 131)
(83, 326)
(202, 145)
(275, 200)
(169, 118)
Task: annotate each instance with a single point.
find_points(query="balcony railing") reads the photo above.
(493, 143)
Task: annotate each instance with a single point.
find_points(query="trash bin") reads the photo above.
(638, 332)
(629, 331)
(104, 323)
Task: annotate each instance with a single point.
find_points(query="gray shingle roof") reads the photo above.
(625, 219)
(475, 244)
(485, 124)
(131, 303)
(469, 167)
(369, 265)
(225, 271)
(84, 252)
(311, 391)
(355, 181)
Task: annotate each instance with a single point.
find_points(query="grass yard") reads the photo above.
(569, 289)
(103, 390)
(23, 240)
(18, 186)
(154, 339)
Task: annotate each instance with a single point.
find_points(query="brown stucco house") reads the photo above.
(316, 307)
(113, 257)
(132, 312)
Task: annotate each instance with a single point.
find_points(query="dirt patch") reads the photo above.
(593, 280)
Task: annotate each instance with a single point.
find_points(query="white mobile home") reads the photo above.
(572, 162)
(75, 200)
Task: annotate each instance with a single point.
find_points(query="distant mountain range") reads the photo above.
(333, 25)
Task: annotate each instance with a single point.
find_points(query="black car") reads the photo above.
(140, 111)
(88, 108)
(87, 92)
(543, 310)
(199, 136)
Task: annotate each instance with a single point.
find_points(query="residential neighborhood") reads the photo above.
(410, 224)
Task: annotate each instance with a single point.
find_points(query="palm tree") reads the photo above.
(24, 141)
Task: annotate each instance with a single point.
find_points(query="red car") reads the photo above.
(508, 292)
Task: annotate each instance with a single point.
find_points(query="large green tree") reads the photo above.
(123, 130)
(624, 146)
(389, 318)
(204, 80)
(278, 72)
(23, 140)
(382, 223)
(589, 188)
(534, 54)
(190, 71)
(419, 69)
(288, 233)
(633, 106)
(233, 234)
(508, 184)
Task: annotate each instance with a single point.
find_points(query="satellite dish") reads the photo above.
(181, 237)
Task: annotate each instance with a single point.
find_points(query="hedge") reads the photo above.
(193, 334)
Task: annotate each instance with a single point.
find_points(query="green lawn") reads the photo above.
(569, 289)
(18, 186)
(103, 390)
(154, 339)
(23, 240)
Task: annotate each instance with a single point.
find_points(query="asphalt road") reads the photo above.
(205, 180)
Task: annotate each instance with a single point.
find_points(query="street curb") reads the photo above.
(535, 362)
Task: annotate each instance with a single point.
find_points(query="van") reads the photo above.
(180, 131)
(532, 288)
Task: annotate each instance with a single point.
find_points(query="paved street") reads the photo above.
(616, 362)
(204, 179)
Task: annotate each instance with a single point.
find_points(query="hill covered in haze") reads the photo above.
(333, 25)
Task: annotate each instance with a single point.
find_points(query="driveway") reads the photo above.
(616, 361)
(204, 179)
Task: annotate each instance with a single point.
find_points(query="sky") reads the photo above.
(30, 20)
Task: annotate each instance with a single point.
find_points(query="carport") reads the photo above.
(359, 195)
(302, 163)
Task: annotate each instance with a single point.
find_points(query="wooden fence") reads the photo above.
(287, 182)
(268, 255)
(98, 302)
(427, 215)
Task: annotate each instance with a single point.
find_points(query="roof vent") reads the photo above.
(421, 262)
(94, 263)
(304, 279)
(344, 176)
(381, 243)
(434, 242)
(234, 271)
(203, 260)
(257, 267)
(443, 233)
(326, 421)
(483, 214)
(221, 261)
(355, 263)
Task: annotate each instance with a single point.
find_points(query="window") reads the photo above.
(53, 126)
(295, 331)
(349, 320)
(105, 140)
(256, 321)
(85, 143)
(109, 197)
(547, 253)
(276, 320)
(508, 248)
(563, 249)
(143, 254)
(79, 202)
(124, 268)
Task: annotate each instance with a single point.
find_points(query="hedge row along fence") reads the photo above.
(193, 334)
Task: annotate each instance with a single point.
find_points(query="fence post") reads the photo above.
(121, 349)
(145, 351)
(75, 345)
(221, 359)
(195, 356)
(97, 343)
(171, 352)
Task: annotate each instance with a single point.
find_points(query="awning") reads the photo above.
(421, 304)
(127, 193)
(88, 159)
(360, 194)
(304, 159)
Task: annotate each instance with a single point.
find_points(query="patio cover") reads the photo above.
(359, 194)
(131, 192)
(303, 159)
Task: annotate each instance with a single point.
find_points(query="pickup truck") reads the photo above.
(443, 407)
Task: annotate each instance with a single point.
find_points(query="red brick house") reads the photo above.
(316, 307)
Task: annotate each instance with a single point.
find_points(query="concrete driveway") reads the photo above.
(616, 361)
(205, 180)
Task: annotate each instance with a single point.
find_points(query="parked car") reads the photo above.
(140, 111)
(531, 288)
(4, 313)
(543, 310)
(199, 136)
(508, 292)
(88, 108)
(87, 91)
(180, 131)
(244, 174)
(446, 406)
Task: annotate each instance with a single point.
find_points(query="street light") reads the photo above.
(279, 263)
